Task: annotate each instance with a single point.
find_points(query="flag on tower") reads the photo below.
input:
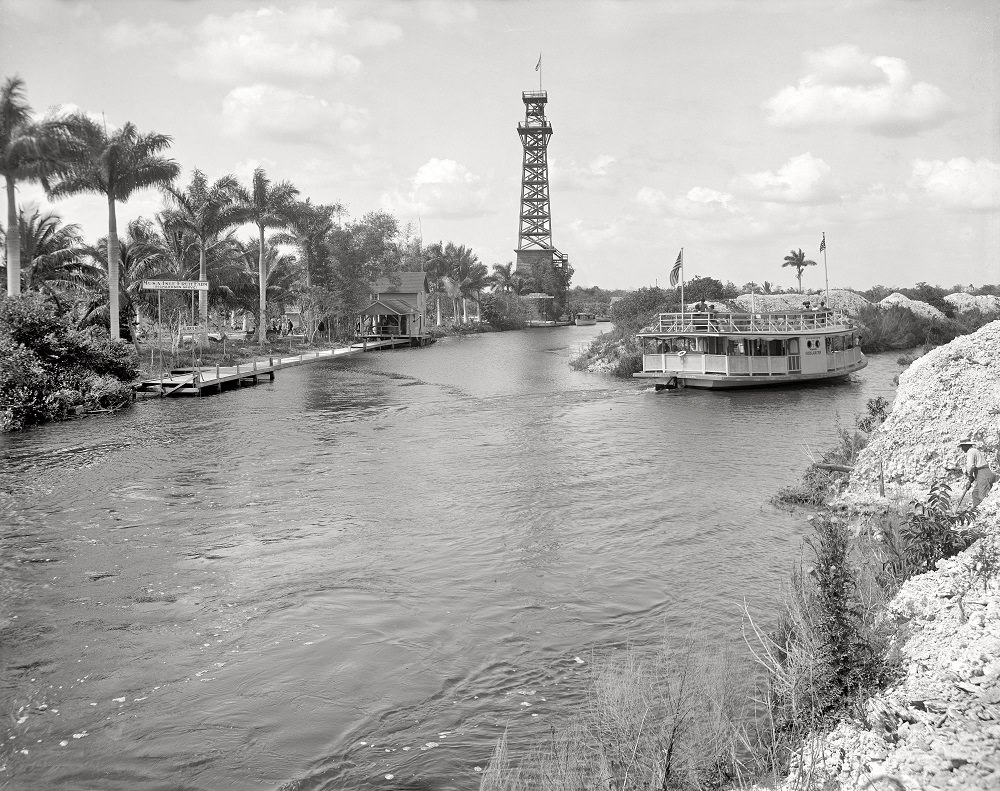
(539, 64)
(822, 245)
(675, 273)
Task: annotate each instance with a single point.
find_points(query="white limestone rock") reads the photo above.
(985, 303)
(914, 306)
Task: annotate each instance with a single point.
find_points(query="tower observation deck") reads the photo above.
(536, 255)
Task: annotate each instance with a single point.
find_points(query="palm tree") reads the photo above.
(50, 251)
(309, 231)
(465, 268)
(266, 205)
(29, 151)
(115, 165)
(475, 278)
(797, 259)
(140, 257)
(238, 278)
(205, 212)
(437, 268)
(504, 278)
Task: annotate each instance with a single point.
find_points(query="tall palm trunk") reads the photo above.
(113, 253)
(203, 295)
(307, 317)
(13, 243)
(262, 276)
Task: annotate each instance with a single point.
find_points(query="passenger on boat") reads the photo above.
(977, 470)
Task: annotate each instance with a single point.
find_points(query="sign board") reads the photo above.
(175, 285)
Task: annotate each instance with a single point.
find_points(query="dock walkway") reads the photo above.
(206, 380)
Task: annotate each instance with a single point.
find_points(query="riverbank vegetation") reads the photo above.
(52, 370)
(671, 719)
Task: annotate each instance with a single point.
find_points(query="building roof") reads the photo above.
(389, 307)
(401, 283)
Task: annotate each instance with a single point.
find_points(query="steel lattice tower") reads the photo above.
(534, 244)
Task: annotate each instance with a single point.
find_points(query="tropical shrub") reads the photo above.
(51, 371)
(503, 311)
(897, 328)
(934, 530)
(636, 310)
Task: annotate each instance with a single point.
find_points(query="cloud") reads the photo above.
(703, 203)
(125, 33)
(596, 175)
(274, 45)
(803, 179)
(446, 12)
(441, 188)
(284, 114)
(844, 87)
(958, 184)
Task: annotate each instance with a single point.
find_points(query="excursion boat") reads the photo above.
(730, 350)
(585, 319)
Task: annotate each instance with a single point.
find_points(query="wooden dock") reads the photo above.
(207, 380)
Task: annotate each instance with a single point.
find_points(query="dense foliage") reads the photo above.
(896, 328)
(503, 311)
(50, 371)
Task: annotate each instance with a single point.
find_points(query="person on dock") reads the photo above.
(980, 477)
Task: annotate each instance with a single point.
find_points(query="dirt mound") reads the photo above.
(950, 391)
(912, 305)
(985, 303)
(847, 301)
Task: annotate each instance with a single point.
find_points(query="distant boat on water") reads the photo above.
(585, 319)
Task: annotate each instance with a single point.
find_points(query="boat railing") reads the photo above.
(750, 323)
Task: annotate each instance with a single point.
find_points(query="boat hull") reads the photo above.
(672, 379)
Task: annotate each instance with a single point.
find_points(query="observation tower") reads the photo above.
(536, 256)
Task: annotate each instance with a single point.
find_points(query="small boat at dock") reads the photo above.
(734, 350)
(585, 319)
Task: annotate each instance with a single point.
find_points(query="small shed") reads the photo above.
(398, 307)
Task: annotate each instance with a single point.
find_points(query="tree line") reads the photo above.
(313, 256)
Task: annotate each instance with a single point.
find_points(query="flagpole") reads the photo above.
(826, 272)
(682, 287)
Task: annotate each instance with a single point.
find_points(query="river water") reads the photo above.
(373, 566)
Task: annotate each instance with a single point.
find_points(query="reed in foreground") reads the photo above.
(661, 720)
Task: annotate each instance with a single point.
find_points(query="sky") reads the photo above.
(738, 130)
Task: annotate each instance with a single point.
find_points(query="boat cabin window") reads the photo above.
(793, 346)
(715, 345)
(674, 345)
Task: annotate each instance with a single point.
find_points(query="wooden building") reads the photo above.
(398, 309)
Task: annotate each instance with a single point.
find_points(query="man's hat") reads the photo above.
(966, 440)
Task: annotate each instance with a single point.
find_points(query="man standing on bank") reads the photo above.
(977, 470)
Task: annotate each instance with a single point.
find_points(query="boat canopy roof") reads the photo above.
(773, 325)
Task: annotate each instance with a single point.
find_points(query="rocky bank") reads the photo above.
(939, 726)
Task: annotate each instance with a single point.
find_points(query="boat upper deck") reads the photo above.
(772, 324)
